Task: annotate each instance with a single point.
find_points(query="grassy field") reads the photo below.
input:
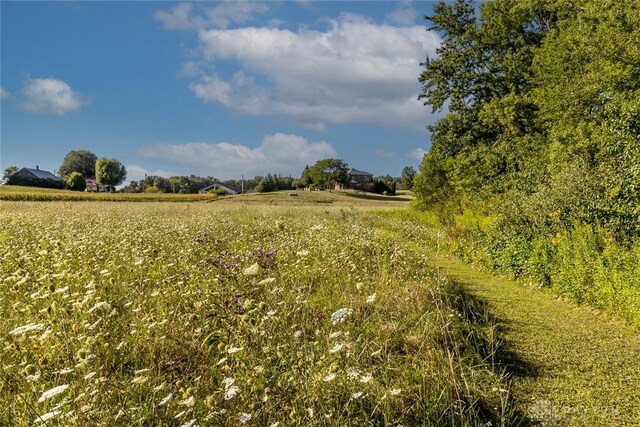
(259, 310)
(35, 194)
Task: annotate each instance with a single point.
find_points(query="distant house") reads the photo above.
(358, 178)
(36, 173)
(217, 186)
(35, 178)
(94, 187)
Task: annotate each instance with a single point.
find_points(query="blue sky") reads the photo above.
(214, 88)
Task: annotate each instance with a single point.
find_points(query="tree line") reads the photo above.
(538, 157)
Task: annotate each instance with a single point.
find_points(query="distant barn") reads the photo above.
(35, 178)
(36, 173)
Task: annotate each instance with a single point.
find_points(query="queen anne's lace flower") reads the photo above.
(53, 392)
(339, 316)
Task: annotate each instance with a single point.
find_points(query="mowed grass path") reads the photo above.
(569, 364)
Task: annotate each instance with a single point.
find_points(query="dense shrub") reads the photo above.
(16, 179)
(76, 182)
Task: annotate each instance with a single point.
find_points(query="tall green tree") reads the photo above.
(81, 161)
(110, 172)
(482, 74)
(306, 178)
(326, 173)
(9, 171)
(588, 94)
(408, 174)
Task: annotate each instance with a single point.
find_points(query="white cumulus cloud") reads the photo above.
(416, 154)
(404, 15)
(279, 153)
(182, 17)
(3, 93)
(137, 173)
(354, 72)
(50, 96)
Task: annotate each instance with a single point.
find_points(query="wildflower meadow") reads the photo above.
(206, 314)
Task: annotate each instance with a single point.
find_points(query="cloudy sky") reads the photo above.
(217, 89)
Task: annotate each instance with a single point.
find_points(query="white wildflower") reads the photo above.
(267, 281)
(231, 392)
(188, 402)
(244, 417)
(335, 335)
(181, 413)
(221, 361)
(395, 391)
(371, 299)
(339, 316)
(33, 377)
(139, 380)
(99, 305)
(329, 377)
(336, 348)
(253, 270)
(166, 399)
(302, 253)
(90, 375)
(357, 395)
(353, 373)
(45, 417)
(63, 371)
(27, 328)
(297, 334)
(191, 423)
(276, 424)
(366, 378)
(53, 392)
(234, 350)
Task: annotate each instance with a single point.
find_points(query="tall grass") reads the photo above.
(582, 262)
(211, 315)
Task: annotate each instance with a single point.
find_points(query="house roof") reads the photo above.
(42, 174)
(354, 171)
(219, 185)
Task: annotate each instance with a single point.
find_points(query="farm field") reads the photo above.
(261, 310)
(20, 193)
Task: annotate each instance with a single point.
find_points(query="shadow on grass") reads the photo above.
(371, 196)
(488, 338)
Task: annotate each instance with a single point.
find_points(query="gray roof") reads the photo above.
(39, 173)
(354, 171)
(219, 185)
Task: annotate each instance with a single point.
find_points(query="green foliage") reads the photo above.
(274, 183)
(81, 161)
(9, 171)
(542, 135)
(326, 173)
(110, 172)
(408, 175)
(76, 182)
(382, 187)
(20, 180)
